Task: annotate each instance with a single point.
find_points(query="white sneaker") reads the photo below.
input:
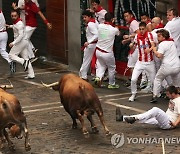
(132, 98)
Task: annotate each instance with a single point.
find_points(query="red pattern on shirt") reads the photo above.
(142, 40)
(31, 10)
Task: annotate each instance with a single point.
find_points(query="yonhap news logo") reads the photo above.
(118, 140)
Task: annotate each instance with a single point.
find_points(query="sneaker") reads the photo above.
(12, 67)
(32, 60)
(110, 86)
(146, 90)
(97, 81)
(28, 77)
(130, 120)
(132, 98)
(143, 84)
(25, 65)
(153, 100)
(119, 116)
(128, 83)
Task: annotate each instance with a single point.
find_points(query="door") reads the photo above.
(57, 37)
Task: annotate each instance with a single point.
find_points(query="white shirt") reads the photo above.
(173, 27)
(2, 22)
(173, 110)
(19, 32)
(170, 55)
(106, 36)
(92, 32)
(133, 27)
(21, 4)
(100, 16)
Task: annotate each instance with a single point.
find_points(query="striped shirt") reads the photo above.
(143, 42)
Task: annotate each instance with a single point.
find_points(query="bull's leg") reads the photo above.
(2, 140)
(80, 117)
(10, 143)
(101, 117)
(93, 126)
(26, 136)
(74, 125)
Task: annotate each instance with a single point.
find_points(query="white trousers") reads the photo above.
(88, 54)
(106, 61)
(3, 44)
(21, 48)
(149, 67)
(162, 73)
(29, 32)
(154, 116)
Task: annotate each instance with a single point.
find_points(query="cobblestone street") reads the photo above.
(50, 126)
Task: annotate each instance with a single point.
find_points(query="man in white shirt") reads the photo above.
(133, 30)
(155, 116)
(104, 52)
(3, 43)
(98, 10)
(170, 65)
(173, 27)
(90, 45)
(20, 44)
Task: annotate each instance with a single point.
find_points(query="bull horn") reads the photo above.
(7, 86)
(49, 85)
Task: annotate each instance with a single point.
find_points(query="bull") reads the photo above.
(12, 117)
(79, 99)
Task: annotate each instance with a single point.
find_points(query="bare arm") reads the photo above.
(159, 55)
(45, 20)
(176, 123)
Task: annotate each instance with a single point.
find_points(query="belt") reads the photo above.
(3, 31)
(101, 50)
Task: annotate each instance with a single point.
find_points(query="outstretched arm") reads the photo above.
(49, 25)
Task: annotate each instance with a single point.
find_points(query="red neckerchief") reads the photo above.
(131, 20)
(0, 10)
(142, 36)
(169, 39)
(159, 26)
(17, 20)
(92, 20)
(108, 23)
(99, 8)
(148, 21)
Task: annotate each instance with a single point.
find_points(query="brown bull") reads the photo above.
(79, 98)
(12, 116)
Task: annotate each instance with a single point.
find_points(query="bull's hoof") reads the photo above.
(74, 126)
(86, 134)
(108, 133)
(28, 148)
(95, 130)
